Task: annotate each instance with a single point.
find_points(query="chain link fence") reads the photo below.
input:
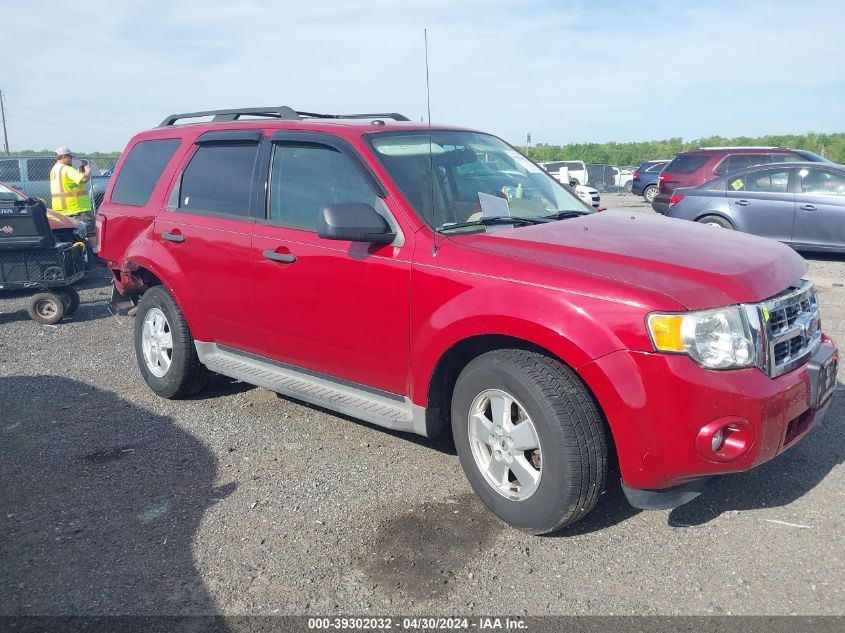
(31, 174)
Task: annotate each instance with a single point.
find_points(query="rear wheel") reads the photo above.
(530, 439)
(46, 308)
(70, 297)
(717, 221)
(650, 193)
(165, 348)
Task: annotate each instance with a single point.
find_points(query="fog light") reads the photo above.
(716, 441)
(725, 439)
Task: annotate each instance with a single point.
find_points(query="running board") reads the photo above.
(382, 408)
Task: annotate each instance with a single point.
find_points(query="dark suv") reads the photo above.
(690, 169)
(645, 179)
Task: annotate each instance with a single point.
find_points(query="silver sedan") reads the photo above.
(800, 204)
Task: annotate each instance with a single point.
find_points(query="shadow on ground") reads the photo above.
(99, 504)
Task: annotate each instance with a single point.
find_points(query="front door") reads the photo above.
(761, 202)
(334, 307)
(206, 236)
(820, 208)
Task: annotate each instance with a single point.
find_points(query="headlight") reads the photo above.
(81, 231)
(715, 339)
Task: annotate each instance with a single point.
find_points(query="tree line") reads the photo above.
(831, 146)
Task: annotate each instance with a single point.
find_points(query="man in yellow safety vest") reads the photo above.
(67, 188)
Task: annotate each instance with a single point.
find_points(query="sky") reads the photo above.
(567, 71)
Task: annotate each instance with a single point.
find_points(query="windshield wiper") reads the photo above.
(499, 219)
(562, 215)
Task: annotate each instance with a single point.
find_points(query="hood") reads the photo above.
(698, 266)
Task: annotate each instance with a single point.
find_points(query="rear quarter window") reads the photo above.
(141, 170)
(686, 164)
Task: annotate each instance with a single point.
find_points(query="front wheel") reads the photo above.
(530, 439)
(165, 348)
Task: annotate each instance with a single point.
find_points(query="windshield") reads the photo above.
(475, 177)
(8, 194)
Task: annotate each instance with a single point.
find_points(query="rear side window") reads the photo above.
(306, 177)
(219, 179)
(39, 168)
(685, 164)
(767, 181)
(658, 167)
(10, 170)
(141, 171)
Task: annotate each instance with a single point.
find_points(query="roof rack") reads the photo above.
(283, 113)
(743, 147)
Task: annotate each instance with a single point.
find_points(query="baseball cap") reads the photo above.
(63, 151)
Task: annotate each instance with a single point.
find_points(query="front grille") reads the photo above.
(792, 328)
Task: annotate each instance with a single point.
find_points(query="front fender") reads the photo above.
(575, 328)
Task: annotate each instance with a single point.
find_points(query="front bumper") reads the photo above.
(656, 405)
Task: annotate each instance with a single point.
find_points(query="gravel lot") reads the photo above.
(113, 501)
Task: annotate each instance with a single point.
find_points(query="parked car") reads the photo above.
(576, 171)
(690, 169)
(800, 204)
(31, 174)
(360, 264)
(64, 228)
(588, 195)
(644, 182)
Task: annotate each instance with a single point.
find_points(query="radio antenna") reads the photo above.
(430, 149)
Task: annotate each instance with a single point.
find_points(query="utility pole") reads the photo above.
(5, 135)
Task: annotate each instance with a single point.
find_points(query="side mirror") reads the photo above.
(354, 222)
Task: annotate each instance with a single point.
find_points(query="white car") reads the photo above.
(567, 171)
(589, 195)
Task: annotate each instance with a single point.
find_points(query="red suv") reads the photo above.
(690, 169)
(425, 279)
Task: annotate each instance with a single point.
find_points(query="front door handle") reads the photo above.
(172, 237)
(285, 258)
(808, 207)
(742, 203)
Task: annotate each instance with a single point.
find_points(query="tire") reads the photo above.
(70, 297)
(601, 187)
(46, 308)
(174, 371)
(629, 187)
(715, 220)
(567, 427)
(650, 193)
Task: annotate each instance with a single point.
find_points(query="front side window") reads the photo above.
(821, 182)
(452, 177)
(305, 177)
(219, 179)
(10, 170)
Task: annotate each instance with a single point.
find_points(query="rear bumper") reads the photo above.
(637, 188)
(661, 203)
(658, 404)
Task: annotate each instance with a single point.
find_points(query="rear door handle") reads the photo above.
(742, 203)
(808, 207)
(285, 258)
(172, 237)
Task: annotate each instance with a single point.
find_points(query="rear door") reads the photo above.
(334, 307)
(820, 208)
(762, 203)
(206, 236)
